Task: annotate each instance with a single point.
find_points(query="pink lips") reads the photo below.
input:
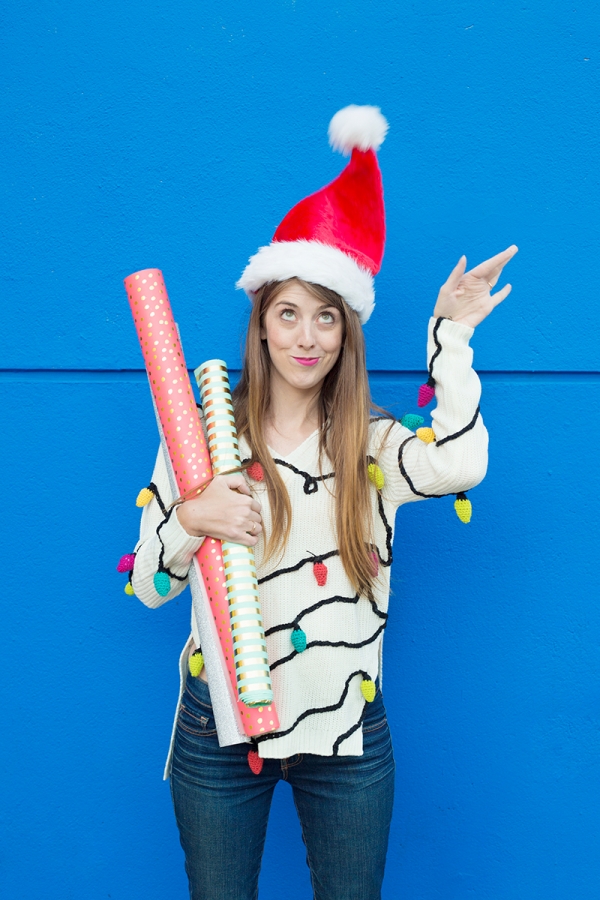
(307, 360)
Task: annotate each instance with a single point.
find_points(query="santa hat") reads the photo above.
(336, 236)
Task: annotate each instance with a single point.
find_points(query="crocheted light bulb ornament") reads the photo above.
(375, 559)
(320, 572)
(129, 589)
(412, 421)
(126, 562)
(144, 497)
(255, 761)
(376, 476)
(256, 471)
(298, 639)
(368, 689)
(426, 392)
(196, 663)
(463, 507)
(427, 435)
(162, 583)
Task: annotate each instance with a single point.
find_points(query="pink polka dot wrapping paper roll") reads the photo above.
(188, 451)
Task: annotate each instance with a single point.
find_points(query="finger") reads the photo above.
(502, 295)
(456, 274)
(255, 505)
(489, 266)
(237, 483)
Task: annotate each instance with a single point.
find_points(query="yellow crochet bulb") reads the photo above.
(427, 435)
(196, 664)
(463, 508)
(368, 689)
(144, 497)
(376, 476)
(129, 590)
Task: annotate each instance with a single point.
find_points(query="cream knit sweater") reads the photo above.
(317, 691)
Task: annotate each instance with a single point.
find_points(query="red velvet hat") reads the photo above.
(336, 236)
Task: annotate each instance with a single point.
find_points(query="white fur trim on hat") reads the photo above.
(363, 127)
(315, 262)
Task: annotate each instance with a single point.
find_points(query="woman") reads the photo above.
(317, 502)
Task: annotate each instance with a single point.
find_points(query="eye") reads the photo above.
(327, 317)
(287, 315)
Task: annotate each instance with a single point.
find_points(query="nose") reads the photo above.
(306, 338)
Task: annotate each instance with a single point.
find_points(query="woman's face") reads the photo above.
(304, 336)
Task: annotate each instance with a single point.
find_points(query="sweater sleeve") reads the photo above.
(457, 459)
(164, 544)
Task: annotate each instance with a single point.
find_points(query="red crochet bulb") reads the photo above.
(255, 471)
(320, 572)
(255, 761)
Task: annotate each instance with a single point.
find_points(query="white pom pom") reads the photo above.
(357, 126)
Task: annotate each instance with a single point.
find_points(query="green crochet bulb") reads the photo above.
(463, 508)
(376, 476)
(162, 583)
(196, 663)
(412, 421)
(368, 689)
(298, 638)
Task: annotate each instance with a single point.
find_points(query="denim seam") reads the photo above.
(375, 727)
(198, 702)
(199, 734)
(192, 714)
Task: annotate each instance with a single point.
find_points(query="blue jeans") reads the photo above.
(344, 804)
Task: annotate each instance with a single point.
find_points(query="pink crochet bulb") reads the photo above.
(426, 394)
(375, 559)
(126, 563)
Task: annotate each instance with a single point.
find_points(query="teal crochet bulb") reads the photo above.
(162, 583)
(412, 421)
(298, 638)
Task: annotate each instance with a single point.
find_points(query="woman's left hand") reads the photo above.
(466, 296)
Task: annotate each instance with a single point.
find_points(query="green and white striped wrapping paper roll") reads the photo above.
(249, 646)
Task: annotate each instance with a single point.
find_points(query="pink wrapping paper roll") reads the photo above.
(187, 448)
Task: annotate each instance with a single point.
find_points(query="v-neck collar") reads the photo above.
(274, 453)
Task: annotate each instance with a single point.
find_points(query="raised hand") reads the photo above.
(466, 296)
(226, 510)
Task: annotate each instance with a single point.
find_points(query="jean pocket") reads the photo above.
(197, 722)
(195, 710)
(198, 725)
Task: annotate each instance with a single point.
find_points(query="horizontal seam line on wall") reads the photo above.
(376, 375)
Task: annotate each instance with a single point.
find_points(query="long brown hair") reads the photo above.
(342, 436)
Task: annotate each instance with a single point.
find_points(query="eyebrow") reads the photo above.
(295, 305)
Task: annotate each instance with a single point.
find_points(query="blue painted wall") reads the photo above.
(178, 135)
